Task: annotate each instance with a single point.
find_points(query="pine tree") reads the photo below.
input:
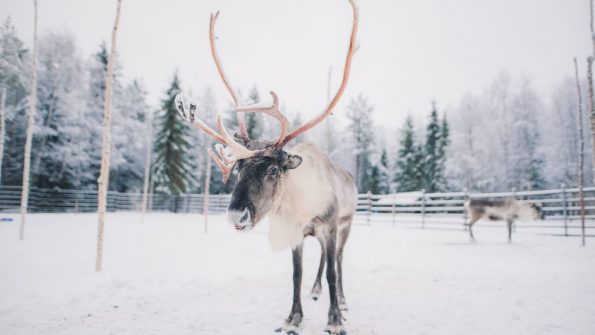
(127, 155)
(384, 183)
(254, 121)
(14, 76)
(409, 164)
(359, 113)
(56, 162)
(173, 170)
(443, 143)
(431, 151)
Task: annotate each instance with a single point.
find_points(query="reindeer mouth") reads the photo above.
(247, 227)
(241, 220)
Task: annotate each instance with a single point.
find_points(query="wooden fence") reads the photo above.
(418, 209)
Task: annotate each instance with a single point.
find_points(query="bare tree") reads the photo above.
(107, 118)
(590, 92)
(2, 130)
(581, 163)
(29, 138)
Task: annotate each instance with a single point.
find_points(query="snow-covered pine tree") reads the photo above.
(527, 158)
(384, 176)
(57, 159)
(409, 163)
(443, 143)
(431, 151)
(359, 114)
(254, 121)
(14, 76)
(127, 154)
(173, 168)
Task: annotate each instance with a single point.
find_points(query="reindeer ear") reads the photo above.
(292, 161)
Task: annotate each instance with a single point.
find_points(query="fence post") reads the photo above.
(369, 195)
(465, 217)
(565, 211)
(423, 209)
(514, 222)
(393, 208)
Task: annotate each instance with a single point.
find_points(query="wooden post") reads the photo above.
(207, 193)
(393, 209)
(565, 210)
(29, 138)
(423, 209)
(465, 217)
(105, 158)
(369, 195)
(148, 152)
(581, 154)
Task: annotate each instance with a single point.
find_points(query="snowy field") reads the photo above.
(167, 276)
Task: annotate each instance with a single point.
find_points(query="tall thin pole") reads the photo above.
(29, 138)
(581, 153)
(590, 83)
(105, 161)
(207, 193)
(147, 166)
(2, 126)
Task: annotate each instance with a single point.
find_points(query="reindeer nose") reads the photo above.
(236, 217)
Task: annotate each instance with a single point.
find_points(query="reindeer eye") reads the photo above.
(273, 171)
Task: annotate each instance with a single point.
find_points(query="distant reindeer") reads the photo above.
(507, 210)
(301, 190)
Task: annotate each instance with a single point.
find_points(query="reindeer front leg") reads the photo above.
(296, 315)
(335, 325)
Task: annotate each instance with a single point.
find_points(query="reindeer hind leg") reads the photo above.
(342, 236)
(317, 288)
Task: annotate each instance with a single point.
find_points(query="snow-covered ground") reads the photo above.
(167, 276)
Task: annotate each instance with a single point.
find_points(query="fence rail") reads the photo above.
(443, 210)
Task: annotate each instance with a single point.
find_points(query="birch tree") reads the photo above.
(581, 154)
(148, 152)
(590, 88)
(105, 158)
(29, 138)
(2, 106)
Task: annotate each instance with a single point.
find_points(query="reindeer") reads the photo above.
(300, 190)
(508, 210)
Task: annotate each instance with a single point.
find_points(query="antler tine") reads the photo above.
(241, 121)
(346, 71)
(273, 111)
(225, 168)
(189, 114)
(238, 150)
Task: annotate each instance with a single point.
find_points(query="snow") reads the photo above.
(166, 276)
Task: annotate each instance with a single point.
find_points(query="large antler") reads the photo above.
(346, 71)
(212, 38)
(226, 157)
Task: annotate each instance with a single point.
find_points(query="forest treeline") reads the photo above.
(506, 136)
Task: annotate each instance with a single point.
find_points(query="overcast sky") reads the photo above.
(411, 51)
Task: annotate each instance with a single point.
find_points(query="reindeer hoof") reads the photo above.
(292, 324)
(335, 330)
(314, 296)
(289, 330)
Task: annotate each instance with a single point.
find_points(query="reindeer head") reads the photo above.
(537, 211)
(261, 165)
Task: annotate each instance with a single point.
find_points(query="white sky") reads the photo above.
(411, 51)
